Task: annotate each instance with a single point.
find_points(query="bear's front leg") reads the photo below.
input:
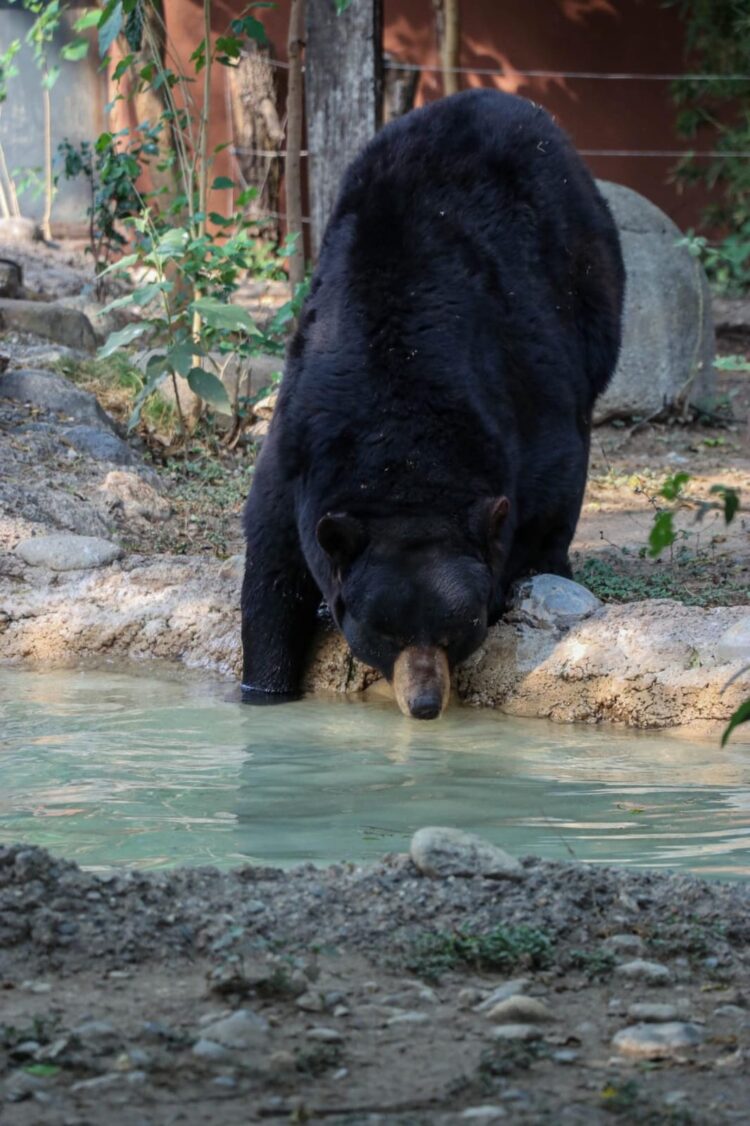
(279, 603)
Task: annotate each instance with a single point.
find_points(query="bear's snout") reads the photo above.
(422, 681)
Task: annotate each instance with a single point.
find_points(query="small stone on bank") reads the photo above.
(325, 1035)
(520, 1010)
(68, 552)
(639, 970)
(502, 993)
(550, 601)
(439, 851)
(653, 1013)
(516, 1032)
(625, 944)
(655, 1041)
(243, 1029)
(483, 1113)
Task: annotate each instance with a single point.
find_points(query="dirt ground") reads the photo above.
(363, 1007)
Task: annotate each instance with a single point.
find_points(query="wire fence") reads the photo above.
(568, 75)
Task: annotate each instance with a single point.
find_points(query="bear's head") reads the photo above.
(411, 595)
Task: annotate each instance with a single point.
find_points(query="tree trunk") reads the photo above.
(399, 89)
(257, 131)
(447, 28)
(343, 63)
(292, 174)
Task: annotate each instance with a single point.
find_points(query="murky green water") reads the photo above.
(112, 769)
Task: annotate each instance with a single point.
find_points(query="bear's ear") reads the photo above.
(490, 515)
(342, 537)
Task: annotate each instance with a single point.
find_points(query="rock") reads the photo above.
(625, 944)
(731, 314)
(657, 1041)
(243, 1029)
(325, 1035)
(265, 407)
(439, 851)
(100, 444)
(11, 278)
(520, 1010)
(18, 229)
(129, 494)
(652, 1013)
(310, 1003)
(64, 552)
(469, 997)
(50, 320)
(98, 1036)
(652, 972)
(552, 602)
(411, 1016)
(211, 1051)
(668, 336)
(502, 993)
(53, 393)
(483, 1113)
(735, 643)
(516, 1032)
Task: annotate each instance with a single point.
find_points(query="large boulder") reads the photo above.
(54, 322)
(668, 339)
(53, 393)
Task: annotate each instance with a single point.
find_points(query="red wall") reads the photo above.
(637, 36)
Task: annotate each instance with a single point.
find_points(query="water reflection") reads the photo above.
(116, 769)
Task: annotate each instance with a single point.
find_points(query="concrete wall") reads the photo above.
(78, 99)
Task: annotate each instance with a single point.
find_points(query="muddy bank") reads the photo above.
(559, 994)
(650, 664)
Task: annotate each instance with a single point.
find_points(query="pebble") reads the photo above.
(565, 1055)
(469, 997)
(516, 1032)
(243, 1029)
(502, 993)
(483, 1113)
(639, 970)
(325, 1035)
(310, 1003)
(211, 1051)
(68, 552)
(625, 944)
(282, 1062)
(36, 986)
(520, 1010)
(655, 1041)
(440, 851)
(653, 1013)
(412, 1016)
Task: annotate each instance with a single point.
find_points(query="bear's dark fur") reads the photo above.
(430, 441)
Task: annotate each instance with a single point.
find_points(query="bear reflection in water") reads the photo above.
(430, 441)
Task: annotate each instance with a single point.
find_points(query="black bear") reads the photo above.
(430, 442)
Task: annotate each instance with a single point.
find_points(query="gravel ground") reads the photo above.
(353, 995)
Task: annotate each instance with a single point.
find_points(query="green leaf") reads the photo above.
(109, 25)
(172, 244)
(662, 534)
(217, 314)
(731, 499)
(76, 50)
(156, 367)
(341, 5)
(673, 486)
(42, 1070)
(222, 182)
(179, 357)
(88, 19)
(210, 388)
(117, 340)
(742, 715)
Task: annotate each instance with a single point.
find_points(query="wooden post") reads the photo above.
(292, 177)
(448, 33)
(343, 69)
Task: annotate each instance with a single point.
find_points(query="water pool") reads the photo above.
(114, 769)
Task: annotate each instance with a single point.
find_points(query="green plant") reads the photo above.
(191, 259)
(716, 105)
(663, 534)
(112, 172)
(596, 964)
(433, 953)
